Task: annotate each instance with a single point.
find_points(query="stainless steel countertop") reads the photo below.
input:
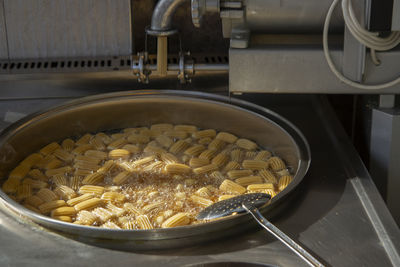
(337, 212)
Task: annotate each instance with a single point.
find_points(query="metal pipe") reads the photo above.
(162, 17)
(195, 67)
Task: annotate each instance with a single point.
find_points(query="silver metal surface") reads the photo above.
(353, 51)
(396, 16)
(290, 16)
(68, 28)
(384, 155)
(161, 20)
(289, 69)
(338, 213)
(296, 248)
(132, 109)
(3, 33)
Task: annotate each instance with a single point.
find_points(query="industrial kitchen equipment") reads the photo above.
(272, 53)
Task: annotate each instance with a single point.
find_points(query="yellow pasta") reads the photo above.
(232, 165)
(220, 159)
(37, 174)
(231, 187)
(186, 128)
(198, 162)
(268, 176)
(204, 192)
(162, 127)
(110, 225)
(164, 141)
(100, 155)
(10, 186)
(113, 196)
(133, 149)
(224, 197)
(234, 174)
(19, 172)
(82, 149)
(86, 217)
(68, 144)
(194, 150)
(115, 210)
(177, 168)
(263, 155)
(49, 149)
(216, 144)
(84, 140)
(34, 201)
(88, 204)
(254, 164)
(59, 171)
(107, 167)
(204, 202)
(23, 191)
(138, 139)
(236, 155)
(121, 177)
(226, 137)
(284, 181)
(35, 184)
(179, 147)
(46, 195)
(65, 192)
(98, 143)
(207, 154)
(178, 219)
(81, 198)
(91, 189)
(205, 169)
(103, 214)
(63, 155)
(169, 158)
(276, 163)
(255, 187)
(59, 179)
(176, 134)
(31, 160)
(130, 208)
(63, 211)
(48, 206)
(211, 133)
(117, 143)
(143, 161)
(246, 144)
(105, 138)
(144, 222)
(143, 177)
(248, 180)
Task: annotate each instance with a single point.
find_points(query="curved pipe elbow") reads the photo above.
(161, 20)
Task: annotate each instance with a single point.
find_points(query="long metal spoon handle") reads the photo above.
(301, 252)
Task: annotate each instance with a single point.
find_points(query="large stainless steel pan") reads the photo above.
(138, 108)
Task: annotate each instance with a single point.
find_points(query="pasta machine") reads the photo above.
(279, 54)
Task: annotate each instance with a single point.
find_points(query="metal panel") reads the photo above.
(384, 165)
(287, 69)
(3, 34)
(396, 16)
(68, 28)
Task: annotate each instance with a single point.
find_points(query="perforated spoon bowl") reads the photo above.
(250, 203)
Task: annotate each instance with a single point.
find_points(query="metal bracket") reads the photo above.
(142, 71)
(186, 70)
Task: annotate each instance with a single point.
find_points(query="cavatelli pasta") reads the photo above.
(143, 177)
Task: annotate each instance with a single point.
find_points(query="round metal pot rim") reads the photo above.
(158, 234)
